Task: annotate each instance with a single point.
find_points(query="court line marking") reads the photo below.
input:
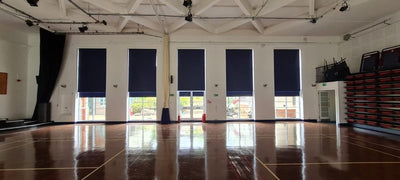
(372, 149)
(389, 147)
(56, 140)
(265, 166)
(41, 169)
(112, 158)
(328, 163)
(2, 150)
(18, 141)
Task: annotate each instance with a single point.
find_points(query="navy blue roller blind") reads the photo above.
(142, 72)
(239, 72)
(191, 70)
(92, 73)
(287, 72)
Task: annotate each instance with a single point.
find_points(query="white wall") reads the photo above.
(15, 55)
(32, 71)
(64, 99)
(375, 39)
(314, 51)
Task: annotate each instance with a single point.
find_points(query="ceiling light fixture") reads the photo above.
(29, 23)
(33, 2)
(187, 3)
(314, 20)
(83, 28)
(189, 17)
(345, 6)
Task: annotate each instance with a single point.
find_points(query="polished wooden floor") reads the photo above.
(245, 150)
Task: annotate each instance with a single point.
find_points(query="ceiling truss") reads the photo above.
(251, 14)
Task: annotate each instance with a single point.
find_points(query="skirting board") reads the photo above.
(184, 121)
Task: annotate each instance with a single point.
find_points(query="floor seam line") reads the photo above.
(328, 163)
(103, 164)
(41, 169)
(374, 143)
(372, 149)
(265, 166)
(3, 150)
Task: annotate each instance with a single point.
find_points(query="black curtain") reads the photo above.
(51, 55)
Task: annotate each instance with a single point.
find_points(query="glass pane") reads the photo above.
(142, 108)
(184, 107)
(246, 107)
(149, 110)
(198, 107)
(232, 107)
(91, 108)
(239, 107)
(287, 107)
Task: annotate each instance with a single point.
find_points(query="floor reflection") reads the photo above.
(237, 150)
(239, 135)
(289, 135)
(89, 137)
(191, 136)
(289, 144)
(142, 136)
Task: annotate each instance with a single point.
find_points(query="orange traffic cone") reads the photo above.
(203, 118)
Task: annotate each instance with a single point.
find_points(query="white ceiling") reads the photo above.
(332, 23)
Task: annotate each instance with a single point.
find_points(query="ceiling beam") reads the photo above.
(122, 23)
(176, 25)
(63, 8)
(245, 6)
(203, 6)
(290, 24)
(160, 20)
(258, 25)
(229, 26)
(176, 6)
(272, 5)
(132, 8)
(356, 2)
(111, 7)
(206, 26)
(283, 26)
(311, 8)
(197, 10)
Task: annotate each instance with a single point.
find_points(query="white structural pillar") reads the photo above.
(165, 118)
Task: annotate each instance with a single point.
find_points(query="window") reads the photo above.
(142, 108)
(239, 107)
(92, 84)
(142, 84)
(239, 82)
(191, 83)
(287, 83)
(287, 107)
